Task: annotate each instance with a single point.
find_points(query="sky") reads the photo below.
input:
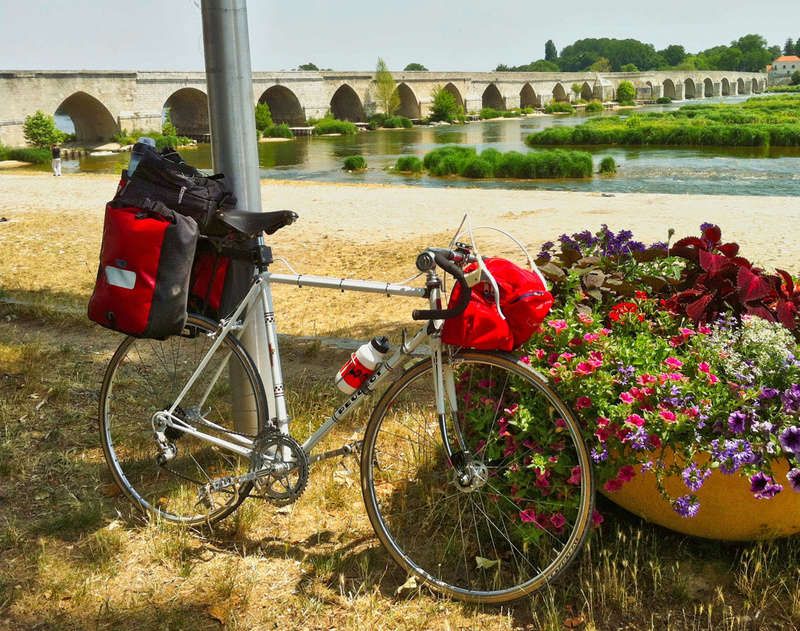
(462, 36)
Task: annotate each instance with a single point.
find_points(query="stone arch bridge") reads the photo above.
(101, 103)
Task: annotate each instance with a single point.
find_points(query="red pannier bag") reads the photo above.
(142, 283)
(207, 286)
(524, 301)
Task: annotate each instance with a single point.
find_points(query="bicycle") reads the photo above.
(449, 487)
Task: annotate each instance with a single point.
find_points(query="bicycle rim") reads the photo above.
(144, 377)
(527, 512)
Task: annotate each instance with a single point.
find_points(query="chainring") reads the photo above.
(285, 455)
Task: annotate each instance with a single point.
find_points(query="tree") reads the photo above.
(796, 77)
(625, 92)
(40, 130)
(444, 107)
(263, 117)
(629, 68)
(600, 65)
(673, 54)
(797, 47)
(550, 52)
(535, 66)
(386, 88)
(415, 68)
(788, 47)
(308, 66)
(576, 90)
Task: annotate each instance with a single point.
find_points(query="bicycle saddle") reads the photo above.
(253, 224)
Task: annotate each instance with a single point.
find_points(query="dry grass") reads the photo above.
(74, 555)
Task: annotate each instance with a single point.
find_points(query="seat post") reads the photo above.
(262, 257)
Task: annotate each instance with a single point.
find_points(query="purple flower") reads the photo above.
(737, 422)
(686, 506)
(732, 454)
(599, 456)
(705, 226)
(794, 479)
(763, 486)
(768, 393)
(648, 466)
(694, 477)
(791, 399)
(790, 440)
(638, 440)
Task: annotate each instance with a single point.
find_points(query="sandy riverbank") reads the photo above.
(51, 239)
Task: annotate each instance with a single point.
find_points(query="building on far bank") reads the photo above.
(783, 68)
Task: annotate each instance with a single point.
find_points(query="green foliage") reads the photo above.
(629, 68)
(464, 161)
(558, 108)
(279, 131)
(26, 154)
(489, 112)
(550, 52)
(673, 55)
(576, 89)
(594, 106)
(796, 77)
(663, 100)
(393, 122)
(625, 92)
(600, 65)
(618, 52)
(333, 126)
(40, 130)
(784, 88)
(162, 140)
(444, 107)
(375, 121)
(308, 66)
(408, 164)
(608, 166)
(541, 65)
(415, 67)
(263, 117)
(354, 163)
(386, 89)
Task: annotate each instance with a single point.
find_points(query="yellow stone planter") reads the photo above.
(728, 509)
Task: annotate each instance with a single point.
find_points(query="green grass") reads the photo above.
(558, 108)
(784, 88)
(278, 131)
(333, 126)
(354, 163)
(25, 154)
(594, 106)
(394, 122)
(408, 164)
(608, 166)
(162, 140)
(759, 122)
(464, 161)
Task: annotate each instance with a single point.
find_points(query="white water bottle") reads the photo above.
(137, 151)
(362, 364)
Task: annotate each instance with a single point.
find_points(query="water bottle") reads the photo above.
(362, 364)
(138, 151)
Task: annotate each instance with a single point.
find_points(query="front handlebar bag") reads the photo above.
(142, 283)
(524, 301)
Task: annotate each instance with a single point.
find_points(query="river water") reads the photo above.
(713, 171)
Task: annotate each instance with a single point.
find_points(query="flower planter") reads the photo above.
(728, 510)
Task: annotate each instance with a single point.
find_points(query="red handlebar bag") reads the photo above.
(524, 300)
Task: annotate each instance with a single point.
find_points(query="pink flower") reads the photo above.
(605, 331)
(612, 485)
(625, 397)
(704, 367)
(673, 363)
(585, 319)
(602, 434)
(626, 473)
(704, 330)
(583, 402)
(584, 368)
(525, 359)
(597, 518)
(687, 332)
(557, 519)
(575, 478)
(527, 515)
(512, 410)
(560, 422)
(540, 354)
(676, 376)
(602, 421)
(565, 356)
(558, 325)
(591, 337)
(668, 416)
(635, 419)
(712, 379)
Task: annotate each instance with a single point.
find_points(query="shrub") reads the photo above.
(625, 92)
(594, 106)
(444, 107)
(354, 163)
(476, 168)
(279, 131)
(394, 122)
(374, 121)
(26, 154)
(452, 160)
(629, 68)
(263, 117)
(489, 112)
(433, 158)
(408, 164)
(527, 110)
(608, 166)
(796, 77)
(333, 126)
(559, 108)
(40, 130)
(662, 100)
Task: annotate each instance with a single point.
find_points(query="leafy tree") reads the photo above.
(550, 52)
(444, 107)
(263, 117)
(673, 54)
(585, 52)
(415, 68)
(749, 43)
(308, 66)
(40, 130)
(797, 47)
(796, 77)
(600, 65)
(386, 88)
(502, 68)
(576, 90)
(535, 66)
(625, 92)
(788, 47)
(167, 127)
(629, 68)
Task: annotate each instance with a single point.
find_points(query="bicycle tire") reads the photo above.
(145, 376)
(475, 545)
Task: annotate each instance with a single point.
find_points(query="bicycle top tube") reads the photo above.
(345, 284)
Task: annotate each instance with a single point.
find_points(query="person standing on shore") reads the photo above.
(56, 159)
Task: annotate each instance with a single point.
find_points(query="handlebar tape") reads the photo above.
(463, 300)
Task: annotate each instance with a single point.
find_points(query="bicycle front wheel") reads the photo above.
(144, 378)
(526, 510)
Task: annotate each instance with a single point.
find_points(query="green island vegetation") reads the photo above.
(325, 126)
(749, 53)
(758, 122)
(25, 154)
(489, 112)
(608, 166)
(594, 106)
(354, 163)
(278, 131)
(491, 163)
(558, 108)
(626, 93)
(408, 164)
(445, 107)
(266, 127)
(663, 100)
(784, 88)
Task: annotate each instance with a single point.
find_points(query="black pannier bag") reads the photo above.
(166, 178)
(142, 284)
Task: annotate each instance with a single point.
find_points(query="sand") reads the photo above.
(51, 240)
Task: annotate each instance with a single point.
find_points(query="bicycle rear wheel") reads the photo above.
(145, 377)
(527, 511)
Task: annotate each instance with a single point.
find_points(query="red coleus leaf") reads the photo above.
(730, 249)
(761, 311)
(713, 234)
(787, 314)
(714, 264)
(788, 284)
(697, 310)
(742, 262)
(750, 286)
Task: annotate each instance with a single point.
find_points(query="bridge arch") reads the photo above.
(93, 122)
(346, 106)
(689, 89)
(560, 94)
(452, 89)
(708, 87)
(740, 86)
(409, 104)
(586, 91)
(668, 88)
(492, 98)
(283, 105)
(527, 96)
(188, 109)
(725, 87)
(755, 87)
